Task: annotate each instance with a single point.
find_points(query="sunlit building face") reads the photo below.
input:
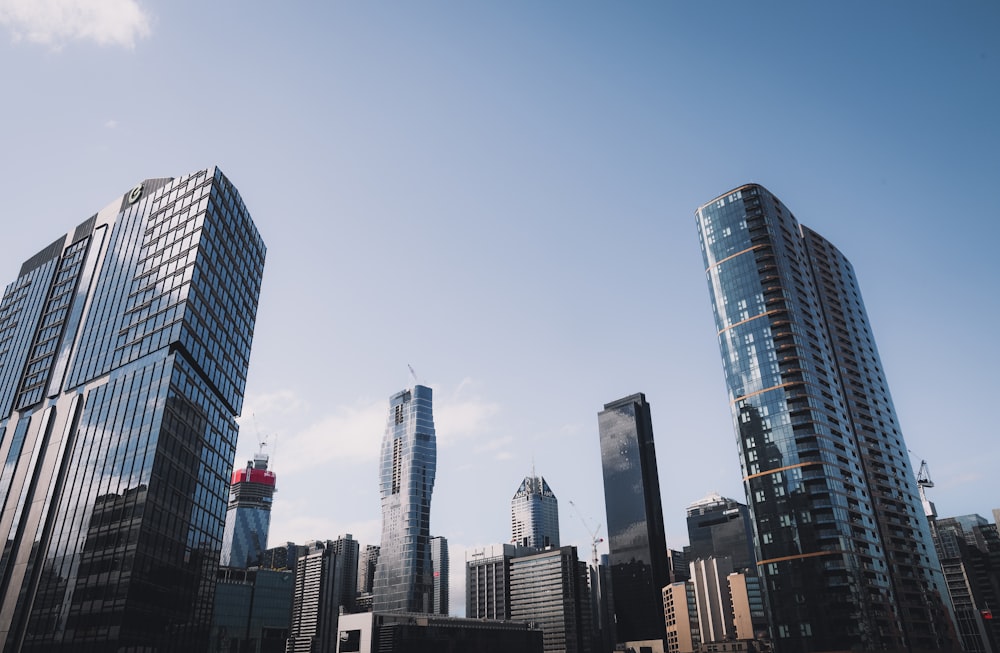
(124, 348)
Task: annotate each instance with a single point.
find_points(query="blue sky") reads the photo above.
(502, 195)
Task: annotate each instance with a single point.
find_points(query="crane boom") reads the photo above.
(594, 540)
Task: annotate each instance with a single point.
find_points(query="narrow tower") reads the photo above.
(403, 577)
(636, 539)
(249, 515)
(534, 514)
(442, 574)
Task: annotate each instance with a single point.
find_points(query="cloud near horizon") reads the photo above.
(56, 22)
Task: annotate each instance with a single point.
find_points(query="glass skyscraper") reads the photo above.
(636, 541)
(720, 528)
(124, 347)
(248, 517)
(534, 514)
(842, 543)
(403, 576)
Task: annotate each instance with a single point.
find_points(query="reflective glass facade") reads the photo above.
(534, 514)
(403, 580)
(636, 541)
(248, 517)
(252, 610)
(124, 347)
(719, 527)
(841, 540)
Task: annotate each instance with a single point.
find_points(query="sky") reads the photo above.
(502, 195)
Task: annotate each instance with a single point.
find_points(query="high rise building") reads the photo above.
(124, 347)
(749, 612)
(604, 624)
(720, 528)
(714, 601)
(440, 567)
(366, 568)
(285, 556)
(534, 514)
(326, 580)
(487, 580)
(680, 612)
(403, 580)
(677, 561)
(842, 542)
(637, 544)
(248, 518)
(969, 549)
(252, 610)
(550, 589)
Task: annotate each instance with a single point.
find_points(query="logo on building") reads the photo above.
(135, 194)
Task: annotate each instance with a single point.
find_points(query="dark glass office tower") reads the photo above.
(842, 543)
(124, 348)
(636, 540)
(248, 517)
(403, 577)
(720, 528)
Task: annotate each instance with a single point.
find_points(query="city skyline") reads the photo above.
(501, 196)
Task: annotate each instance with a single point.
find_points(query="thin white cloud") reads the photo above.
(279, 402)
(295, 521)
(111, 124)
(57, 22)
(352, 433)
(460, 419)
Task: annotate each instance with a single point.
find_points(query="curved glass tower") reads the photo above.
(404, 579)
(842, 543)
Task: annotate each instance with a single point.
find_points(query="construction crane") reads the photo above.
(923, 482)
(594, 540)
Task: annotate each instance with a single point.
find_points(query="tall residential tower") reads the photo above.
(403, 577)
(843, 546)
(534, 514)
(124, 347)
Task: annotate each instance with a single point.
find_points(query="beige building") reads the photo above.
(681, 618)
